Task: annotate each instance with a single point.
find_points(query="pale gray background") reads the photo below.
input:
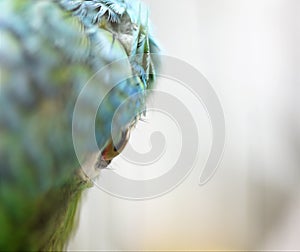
(249, 52)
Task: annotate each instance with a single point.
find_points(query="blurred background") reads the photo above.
(249, 52)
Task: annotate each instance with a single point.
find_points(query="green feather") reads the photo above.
(48, 51)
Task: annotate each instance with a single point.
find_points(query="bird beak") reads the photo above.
(114, 149)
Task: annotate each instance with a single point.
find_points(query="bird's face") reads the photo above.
(114, 148)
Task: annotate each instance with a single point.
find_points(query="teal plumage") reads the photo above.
(49, 50)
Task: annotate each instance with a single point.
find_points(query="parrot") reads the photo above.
(49, 51)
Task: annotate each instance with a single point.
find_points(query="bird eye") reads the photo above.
(114, 149)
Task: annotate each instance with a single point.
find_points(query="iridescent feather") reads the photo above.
(49, 50)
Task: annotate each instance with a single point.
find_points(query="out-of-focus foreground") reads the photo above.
(249, 52)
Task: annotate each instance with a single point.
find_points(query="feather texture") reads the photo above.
(48, 51)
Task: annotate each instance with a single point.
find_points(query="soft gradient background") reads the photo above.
(249, 52)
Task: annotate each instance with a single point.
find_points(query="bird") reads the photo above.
(49, 51)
